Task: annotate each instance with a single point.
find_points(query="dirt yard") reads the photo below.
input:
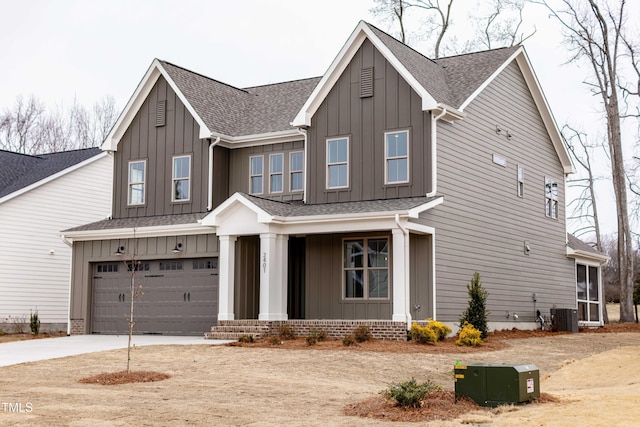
(594, 376)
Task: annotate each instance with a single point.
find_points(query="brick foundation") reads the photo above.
(77, 327)
(380, 329)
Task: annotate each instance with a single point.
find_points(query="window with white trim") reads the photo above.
(588, 292)
(276, 169)
(181, 185)
(520, 181)
(338, 163)
(255, 174)
(551, 198)
(137, 175)
(396, 157)
(366, 268)
(296, 171)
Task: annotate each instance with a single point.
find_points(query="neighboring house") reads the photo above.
(367, 196)
(39, 196)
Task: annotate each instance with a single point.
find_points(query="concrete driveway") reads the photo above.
(12, 353)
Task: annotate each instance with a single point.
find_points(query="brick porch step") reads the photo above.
(233, 332)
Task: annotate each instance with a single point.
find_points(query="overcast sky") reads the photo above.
(61, 50)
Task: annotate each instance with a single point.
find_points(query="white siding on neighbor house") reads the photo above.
(483, 224)
(31, 277)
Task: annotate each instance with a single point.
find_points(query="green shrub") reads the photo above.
(320, 334)
(348, 340)
(476, 313)
(469, 336)
(286, 333)
(34, 323)
(362, 333)
(312, 340)
(409, 394)
(246, 338)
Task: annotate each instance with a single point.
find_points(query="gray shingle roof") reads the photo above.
(236, 112)
(140, 222)
(578, 245)
(296, 209)
(18, 171)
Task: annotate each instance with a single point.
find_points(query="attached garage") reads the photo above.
(176, 297)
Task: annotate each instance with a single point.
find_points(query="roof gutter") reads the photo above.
(210, 182)
(434, 163)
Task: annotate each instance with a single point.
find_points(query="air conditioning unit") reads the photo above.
(497, 384)
(564, 319)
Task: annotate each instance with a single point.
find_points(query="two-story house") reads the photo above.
(367, 196)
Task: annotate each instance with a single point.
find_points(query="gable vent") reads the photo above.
(366, 82)
(160, 113)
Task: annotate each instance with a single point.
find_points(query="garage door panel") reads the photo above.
(178, 297)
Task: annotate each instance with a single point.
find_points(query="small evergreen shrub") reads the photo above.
(409, 394)
(312, 340)
(362, 333)
(469, 336)
(348, 340)
(246, 339)
(286, 333)
(320, 334)
(476, 313)
(34, 323)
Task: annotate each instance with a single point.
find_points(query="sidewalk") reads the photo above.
(12, 353)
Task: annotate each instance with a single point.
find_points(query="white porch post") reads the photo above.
(401, 291)
(273, 277)
(226, 269)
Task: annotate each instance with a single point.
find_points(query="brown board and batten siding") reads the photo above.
(87, 253)
(239, 169)
(143, 140)
(483, 225)
(324, 283)
(394, 106)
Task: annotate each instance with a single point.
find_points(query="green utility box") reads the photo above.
(497, 384)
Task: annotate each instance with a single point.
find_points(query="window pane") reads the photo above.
(276, 183)
(581, 278)
(136, 172)
(296, 181)
(353, 253)
(582, 311)
(378, 283)
(593, 283)
(136, 194)
(397, 170)
(337, 151)
(397, 144)
(181, 167)
(276, 163)
(296, 161)
(554, 209)
(181, 190)
(256, 184)
(354, 284)
(378, 253)
(256, 165)
(594, 314)
(338, 176)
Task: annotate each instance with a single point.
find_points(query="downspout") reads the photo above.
(407, 302)
(70, 244)
(303, 132)
(434, 163)
(210, 192)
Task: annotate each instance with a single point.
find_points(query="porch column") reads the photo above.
(226, 277)
(273, 276)
(401, 280)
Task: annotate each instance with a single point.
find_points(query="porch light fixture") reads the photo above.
(119, 251)
(177, 249)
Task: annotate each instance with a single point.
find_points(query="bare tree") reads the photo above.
(500, 27)
(593, 32)
(29, 128)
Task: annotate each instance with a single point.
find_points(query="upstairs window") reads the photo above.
(296, 169)
(255, 174)
(137, 181)
(338, 163)
(396, 153)
(551, 198)
(275, 173)
(520, 181)
(181, 178)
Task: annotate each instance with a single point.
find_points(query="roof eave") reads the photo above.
(577, 253)
(138, 232)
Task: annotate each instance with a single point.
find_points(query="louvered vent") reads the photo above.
(366, 82)
(160, 113)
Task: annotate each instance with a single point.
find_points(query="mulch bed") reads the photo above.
(124, 377)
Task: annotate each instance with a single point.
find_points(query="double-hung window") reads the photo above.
(396, 154)
(338, 163)
(181, 188)
(551, 198)
(366, 268)
(275, 173)
(296, 169)
(255, 174)
(137, 175)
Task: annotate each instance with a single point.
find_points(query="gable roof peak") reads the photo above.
(165, 63)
